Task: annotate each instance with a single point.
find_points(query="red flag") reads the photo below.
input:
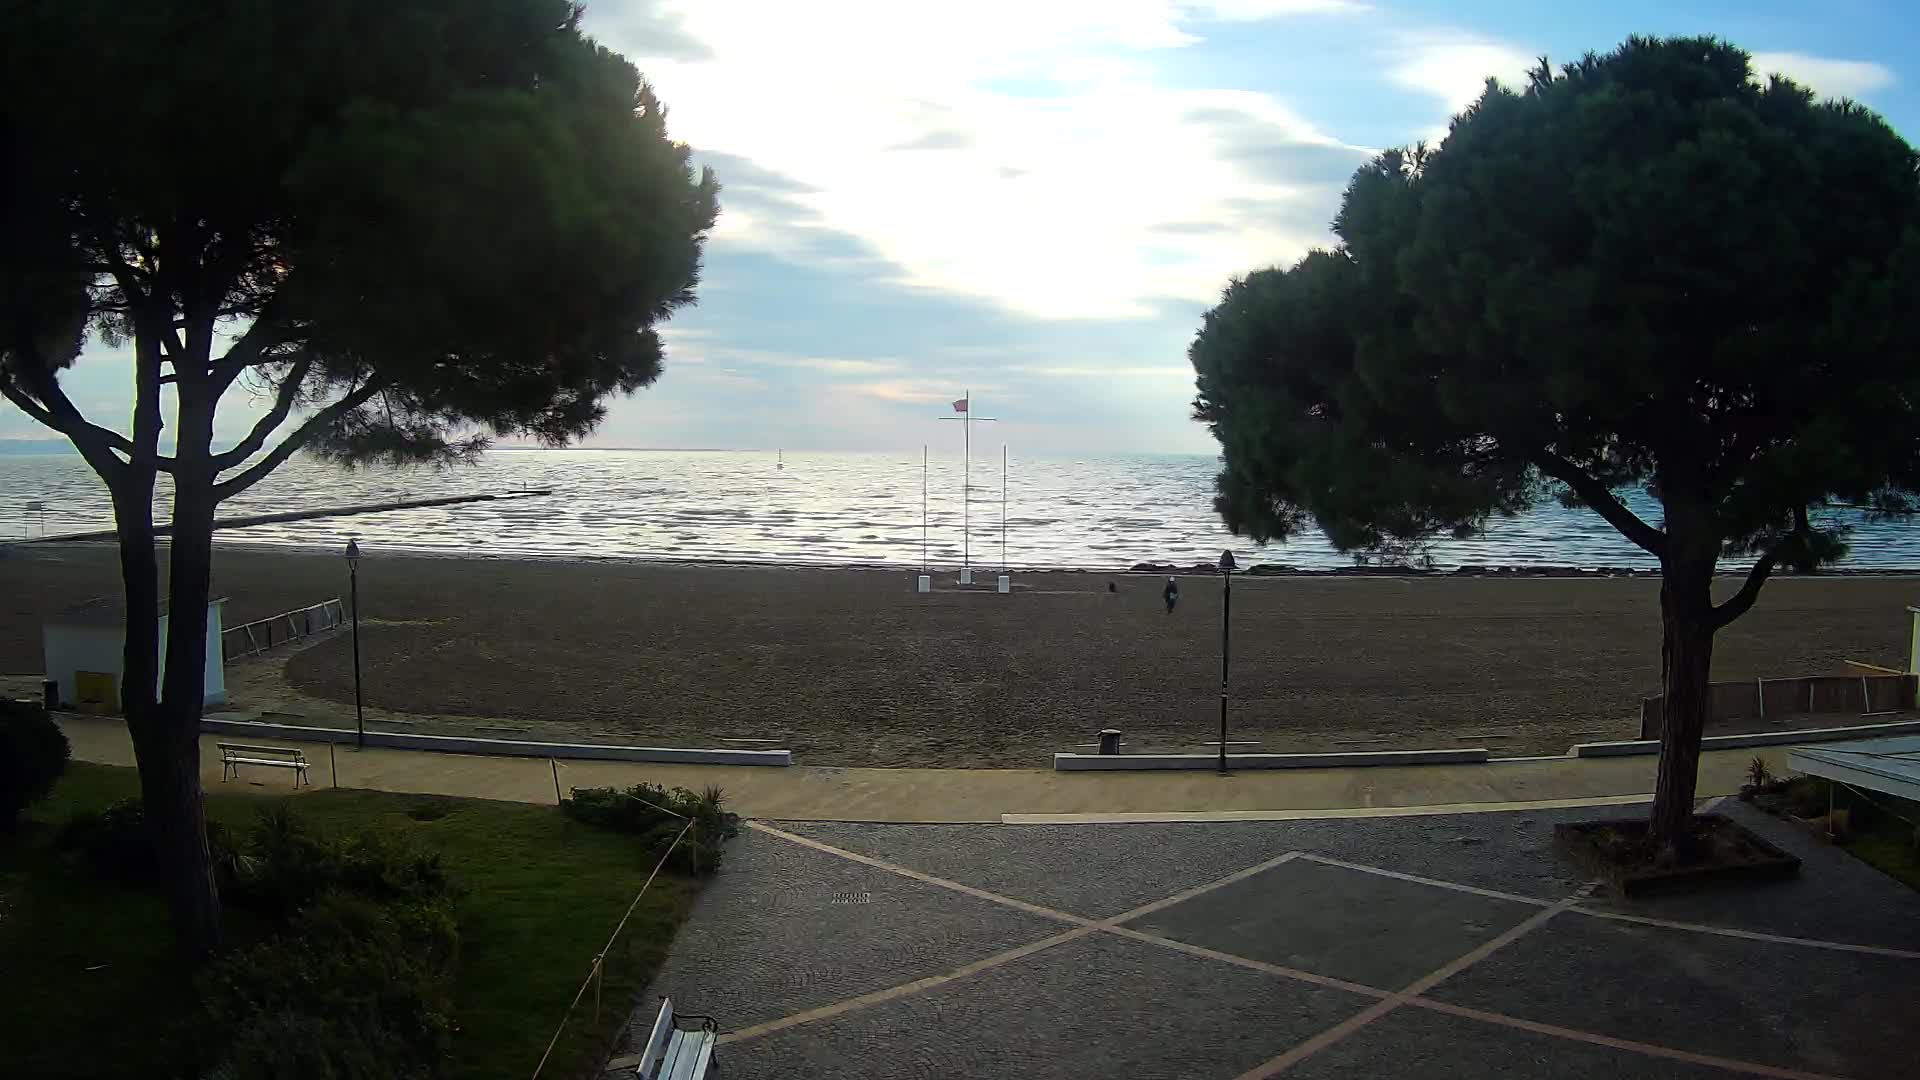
(960, 406)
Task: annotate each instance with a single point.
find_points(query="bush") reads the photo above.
(113, 844)
(285, 867)
(353, 989)
(33, 754)
(638, 810)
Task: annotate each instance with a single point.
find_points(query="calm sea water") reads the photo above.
(1106, 511)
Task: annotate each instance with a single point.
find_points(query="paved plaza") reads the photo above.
(1431, 946)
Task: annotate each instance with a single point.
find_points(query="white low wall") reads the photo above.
(460, 744)
(1627, 747)
(1127, 762)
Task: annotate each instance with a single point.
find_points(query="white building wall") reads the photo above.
(71, 649)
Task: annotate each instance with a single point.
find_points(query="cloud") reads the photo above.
(1824, 75)
(1111, 371)
(1257, 10)
(1454, 68)
(1063, 148)
(937, 140)
(905, 393)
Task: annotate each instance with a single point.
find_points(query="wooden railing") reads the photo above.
(1771, 699)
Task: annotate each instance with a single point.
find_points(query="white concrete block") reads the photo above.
(1004, 584)
(1348, 759)
(924, 583)
(966, 575)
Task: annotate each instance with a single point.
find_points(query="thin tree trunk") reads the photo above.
(176, 812)
(1686, 659)
(1683, 720)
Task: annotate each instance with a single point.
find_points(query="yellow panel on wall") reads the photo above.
(96, 692)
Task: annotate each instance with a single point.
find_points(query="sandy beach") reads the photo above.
(849, 667)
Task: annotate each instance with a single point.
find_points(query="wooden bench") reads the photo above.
(676, 1053)
(234, 755)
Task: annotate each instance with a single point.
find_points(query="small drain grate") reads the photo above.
(852, 898)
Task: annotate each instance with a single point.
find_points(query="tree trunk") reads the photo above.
(175, 809)
(1686, 660)
(1683, 720)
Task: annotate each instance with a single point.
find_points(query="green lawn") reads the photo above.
(92, 990)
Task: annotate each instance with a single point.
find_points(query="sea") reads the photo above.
(1093, 511)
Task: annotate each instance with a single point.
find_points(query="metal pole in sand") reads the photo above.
(964, 407)
(1003, 508)
(923, 508)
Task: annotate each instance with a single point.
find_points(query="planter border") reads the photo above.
(1570, 837)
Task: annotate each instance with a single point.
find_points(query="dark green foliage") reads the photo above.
(33, 754)
(286, 866)
(363, 988)
(1649, 268)
(656, 815)
(455, 217)
(113, 844)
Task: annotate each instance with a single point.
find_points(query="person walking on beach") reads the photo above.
(1172, 593)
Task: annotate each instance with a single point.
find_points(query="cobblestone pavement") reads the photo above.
(1440, 946)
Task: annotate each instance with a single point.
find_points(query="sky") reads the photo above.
(1037, 200)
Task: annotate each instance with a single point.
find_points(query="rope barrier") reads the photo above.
(599, 960)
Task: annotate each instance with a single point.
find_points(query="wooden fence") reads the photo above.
(1778, 699)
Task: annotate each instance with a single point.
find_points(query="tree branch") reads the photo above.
(1739, 603)
(55, 410)
(86, 438)
(1595, 494)
(283, 402)
(301, 436)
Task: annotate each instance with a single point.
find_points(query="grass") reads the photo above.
(97, 992)
(1883, 830)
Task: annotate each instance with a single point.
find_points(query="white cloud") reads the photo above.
(1256, 10)
(1455, 68)
(1062, 153)
(1824, 75)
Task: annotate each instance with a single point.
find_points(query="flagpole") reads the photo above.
(964, 407)
(1003, 508)
(923, 508)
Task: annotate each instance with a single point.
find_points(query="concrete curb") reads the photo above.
(456, 744)
(1627, 747)
(1352, 759)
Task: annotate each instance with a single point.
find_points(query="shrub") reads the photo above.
(113, 844)
(286, 867)
(639, 810)
(33, 754)
(353, 988)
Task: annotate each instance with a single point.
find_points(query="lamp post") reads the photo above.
(353, 593)
(1226, 638)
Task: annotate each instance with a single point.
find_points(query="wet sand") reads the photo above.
(849, 667)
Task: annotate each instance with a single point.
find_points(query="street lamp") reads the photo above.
(1226, 631)
(353, 593)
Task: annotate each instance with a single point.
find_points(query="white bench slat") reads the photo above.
(673, 1054)
(688, 1056)
(234, 755)
(247, 748)
(656, 1042)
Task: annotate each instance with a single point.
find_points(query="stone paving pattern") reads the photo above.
(786, 928)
